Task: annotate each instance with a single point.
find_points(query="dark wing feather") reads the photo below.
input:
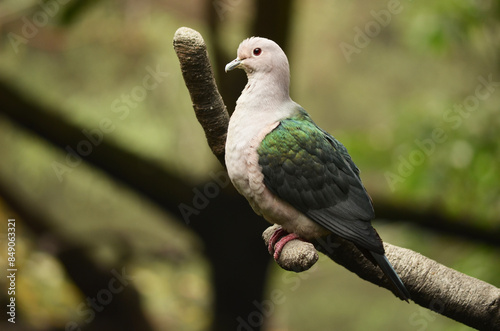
(309, 169)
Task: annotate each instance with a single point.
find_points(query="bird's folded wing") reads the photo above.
(306, 167)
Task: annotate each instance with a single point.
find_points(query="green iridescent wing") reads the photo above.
(312, 171)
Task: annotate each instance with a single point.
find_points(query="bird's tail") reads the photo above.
(389, 271)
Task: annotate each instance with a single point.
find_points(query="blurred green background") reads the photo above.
(381, 76)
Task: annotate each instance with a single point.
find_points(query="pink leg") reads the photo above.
(275, 237)
(278, 240)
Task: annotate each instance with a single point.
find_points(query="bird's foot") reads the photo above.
(275, 237)
(278, 240)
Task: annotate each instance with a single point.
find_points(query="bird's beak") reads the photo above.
(233, 64)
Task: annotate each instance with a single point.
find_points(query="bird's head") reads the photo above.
(260, 55)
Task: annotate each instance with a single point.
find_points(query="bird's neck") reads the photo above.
(266, 90)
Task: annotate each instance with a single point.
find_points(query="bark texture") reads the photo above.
(207, 101)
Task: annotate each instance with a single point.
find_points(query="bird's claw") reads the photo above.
(278, 240)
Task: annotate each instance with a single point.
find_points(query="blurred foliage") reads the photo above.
(396, 90)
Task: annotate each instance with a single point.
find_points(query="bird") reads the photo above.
(292, 172)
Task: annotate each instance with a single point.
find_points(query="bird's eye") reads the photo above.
(257, 51)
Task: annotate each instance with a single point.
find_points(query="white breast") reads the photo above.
(245, 133)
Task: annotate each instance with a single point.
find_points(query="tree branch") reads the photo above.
(208, 105)
(432, 285)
